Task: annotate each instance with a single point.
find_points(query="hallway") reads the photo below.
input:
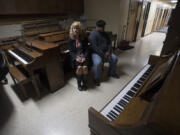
(65, 112)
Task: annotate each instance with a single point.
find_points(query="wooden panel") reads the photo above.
(166, 111)
(77, 6)
(18, 75)
(54, 36)
(155, 20)
(131, 116)
(41, 45)
(9, 7)
(141, 23)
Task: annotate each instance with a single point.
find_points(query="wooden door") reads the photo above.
(132, 20)
(159, 19)
(155, 20)
(168, 16)
(141, 22)
(145, 17)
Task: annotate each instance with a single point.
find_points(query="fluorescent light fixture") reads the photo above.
(173, 1)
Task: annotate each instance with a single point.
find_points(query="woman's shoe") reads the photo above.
(80, 88)
(79, 80)
(85, 77)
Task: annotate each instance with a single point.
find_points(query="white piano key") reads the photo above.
(18, 57)
(115, 101)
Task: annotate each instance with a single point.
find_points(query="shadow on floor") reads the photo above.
(6, 107)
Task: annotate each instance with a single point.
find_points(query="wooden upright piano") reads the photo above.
(38, 56)
(147, 105)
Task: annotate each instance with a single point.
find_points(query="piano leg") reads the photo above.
(34, 82)
(13, 79)
(23, 90)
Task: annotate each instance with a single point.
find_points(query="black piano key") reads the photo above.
(151, 68)
(148, 71)
(109, 117)
(120, 104)
(140, 82)
(142, 79)
(123, 101)
(137, 85)
(144, 76)
(127, 98)
(134, 89)
(114, 113)
(119, 108)
(23, 55)
(130, 93)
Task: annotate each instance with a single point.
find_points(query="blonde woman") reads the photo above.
(78, 46)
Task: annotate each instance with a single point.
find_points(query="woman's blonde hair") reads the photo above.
(75, 24)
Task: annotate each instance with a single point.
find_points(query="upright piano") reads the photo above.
(38, 56)
(38, 53)
(147, 105)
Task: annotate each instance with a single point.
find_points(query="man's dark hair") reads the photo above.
(100, 23)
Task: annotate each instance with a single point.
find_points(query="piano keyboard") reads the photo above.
(21, 56)
(117, 105)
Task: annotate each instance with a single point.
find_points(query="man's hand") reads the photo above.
(83, 59)
(107, 55)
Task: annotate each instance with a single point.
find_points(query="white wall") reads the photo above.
(114, 12)
(10, 30)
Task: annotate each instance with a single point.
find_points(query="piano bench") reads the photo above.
(19, 77)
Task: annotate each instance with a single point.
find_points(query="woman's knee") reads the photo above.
(79, 70)
(85, 70)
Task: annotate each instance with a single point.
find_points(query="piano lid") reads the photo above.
(41, 45)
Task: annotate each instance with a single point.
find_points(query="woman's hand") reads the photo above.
(78, 59)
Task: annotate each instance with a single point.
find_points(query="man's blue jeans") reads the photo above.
(97, 65)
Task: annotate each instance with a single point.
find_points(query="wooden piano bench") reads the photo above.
(19, 78)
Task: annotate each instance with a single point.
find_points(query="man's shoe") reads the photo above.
(97, 82)
(115, 76)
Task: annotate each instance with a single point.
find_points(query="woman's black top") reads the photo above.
(81, 51)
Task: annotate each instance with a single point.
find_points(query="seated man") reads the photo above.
(102, 52)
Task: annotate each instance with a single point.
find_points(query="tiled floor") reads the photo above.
(65, 112)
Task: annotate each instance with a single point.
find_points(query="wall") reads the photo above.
(10, 30)
(21, 7)
(114, 12)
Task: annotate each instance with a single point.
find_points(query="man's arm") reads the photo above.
(94, 45)
(109, 50)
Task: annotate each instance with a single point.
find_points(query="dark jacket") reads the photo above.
(74, 52)
(100, 43)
